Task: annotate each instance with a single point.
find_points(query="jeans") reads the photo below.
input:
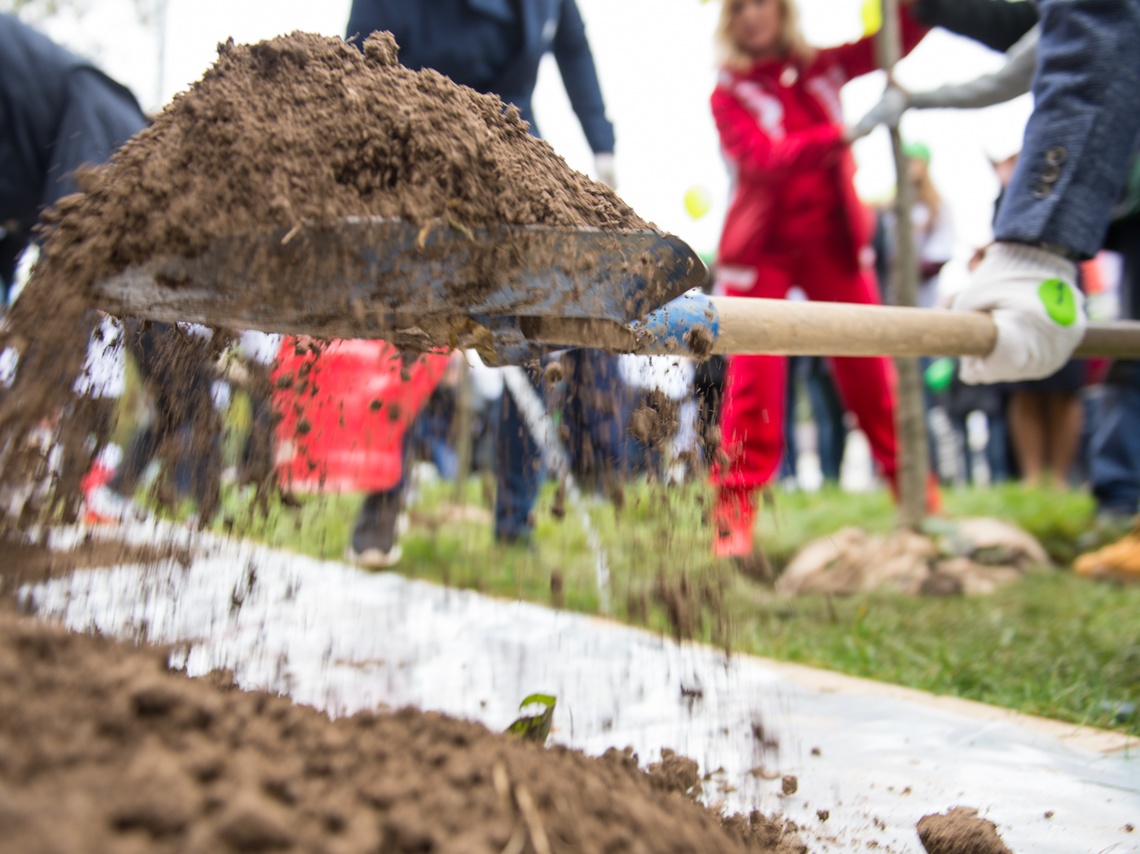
(1114, 449)
(518, 469)
(1114, 467)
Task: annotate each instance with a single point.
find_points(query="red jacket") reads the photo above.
(781, 131)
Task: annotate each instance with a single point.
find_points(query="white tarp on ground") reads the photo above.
(344, 640)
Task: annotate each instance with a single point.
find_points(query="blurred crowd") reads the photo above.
(1066, 248)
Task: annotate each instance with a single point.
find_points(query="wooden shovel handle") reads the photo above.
(783, 327)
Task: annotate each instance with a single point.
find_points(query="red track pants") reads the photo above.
(752, 412)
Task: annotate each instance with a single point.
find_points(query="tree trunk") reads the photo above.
(910, 417)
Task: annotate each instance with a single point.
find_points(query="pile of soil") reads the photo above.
(967, 556)
(297, 130)
(103, 749)
(309, 128)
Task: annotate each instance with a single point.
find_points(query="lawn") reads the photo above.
(1053, 644)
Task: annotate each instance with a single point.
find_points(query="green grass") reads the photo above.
(1053, 644)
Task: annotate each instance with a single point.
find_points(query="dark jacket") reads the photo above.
(57, 112)
(495, 46)
(995, 23)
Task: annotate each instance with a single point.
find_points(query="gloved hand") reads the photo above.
(887, 112)
(605, 170)
(1039, 313)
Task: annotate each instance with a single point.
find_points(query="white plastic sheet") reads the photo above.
(344, 640)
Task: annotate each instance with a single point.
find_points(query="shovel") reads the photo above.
(513, 292)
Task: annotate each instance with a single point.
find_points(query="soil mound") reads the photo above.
(305, 127)
(103, 749)
(960, 831)
(966, 556)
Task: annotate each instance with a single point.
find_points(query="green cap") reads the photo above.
(917, 151)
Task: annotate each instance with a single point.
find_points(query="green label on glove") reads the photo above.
(1059, 302)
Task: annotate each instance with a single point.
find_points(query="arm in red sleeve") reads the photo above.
(858, 58)
(747, 145)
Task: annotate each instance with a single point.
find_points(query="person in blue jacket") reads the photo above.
(495, 47)
(57, 112)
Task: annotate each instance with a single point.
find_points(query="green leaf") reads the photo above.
(546, 700)
(535, 727)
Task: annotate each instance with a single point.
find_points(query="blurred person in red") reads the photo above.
(794, 220)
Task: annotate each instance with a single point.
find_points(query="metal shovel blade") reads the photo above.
(374, 277)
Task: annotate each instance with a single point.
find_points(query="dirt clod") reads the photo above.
(789, 785)
(676, 773)
(700, 341)
(960, 831)
(553, 373)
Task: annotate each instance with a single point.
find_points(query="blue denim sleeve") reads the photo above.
(1084, 128)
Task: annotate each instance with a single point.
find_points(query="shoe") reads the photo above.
(376, 534)
(1119, 561)
(933, 495)
(732, 520)
(103, 506)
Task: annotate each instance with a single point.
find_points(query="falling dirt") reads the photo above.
(960, 831)
(656, 421)
(691, 604)
(700, 341)
(104, 749)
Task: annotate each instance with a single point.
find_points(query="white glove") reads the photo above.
(887, 112)
(605, 169)
(1038, 311)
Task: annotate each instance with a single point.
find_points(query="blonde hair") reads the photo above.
(792, 42)
(927, 194)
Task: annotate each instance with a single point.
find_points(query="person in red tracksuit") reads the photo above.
(794, 220)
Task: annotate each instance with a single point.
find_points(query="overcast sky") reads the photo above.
(656, 64)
